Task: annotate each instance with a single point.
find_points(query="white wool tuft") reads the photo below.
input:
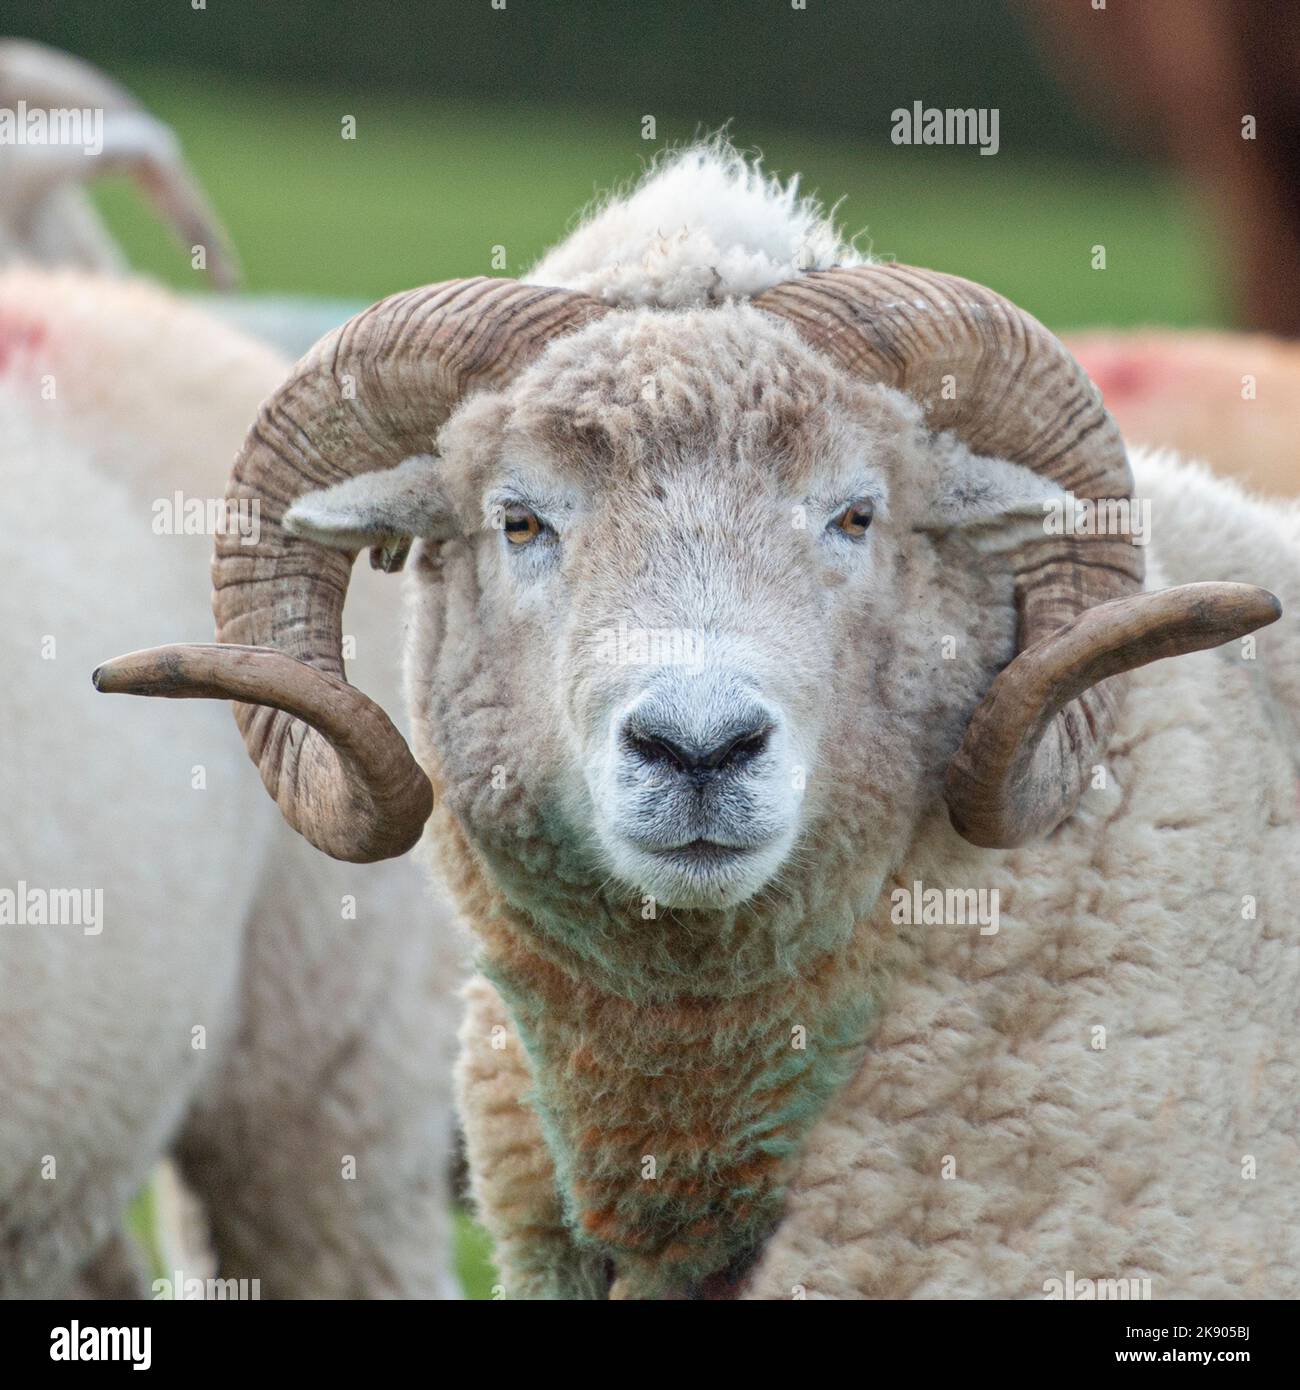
(703, 225)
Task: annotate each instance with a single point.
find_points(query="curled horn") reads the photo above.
(367, 396)
(134, 142)
(1021, 747)
(993, 375)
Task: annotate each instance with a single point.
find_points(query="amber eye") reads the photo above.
(520, 525)
(856, 517)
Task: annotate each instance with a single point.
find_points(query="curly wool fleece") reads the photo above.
(992, 1139)
(703, 1100)
(678, 1059)
(952, 1126)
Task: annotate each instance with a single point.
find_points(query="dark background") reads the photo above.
(837, 67)
(480, 129)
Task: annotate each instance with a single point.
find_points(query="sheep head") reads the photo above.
(798, 492)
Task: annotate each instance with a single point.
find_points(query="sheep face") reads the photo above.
(683, 612)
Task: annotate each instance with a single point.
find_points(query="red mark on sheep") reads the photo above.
(19, 338)
(1118, 376)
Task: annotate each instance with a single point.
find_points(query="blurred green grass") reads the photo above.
(142, 1225)
(428, 189)
(471, 1245)
(473, 1255)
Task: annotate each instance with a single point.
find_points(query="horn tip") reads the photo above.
(154, 671)
(103, 678)
(120, 676)
(1252, 606)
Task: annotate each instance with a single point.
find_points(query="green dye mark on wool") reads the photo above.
(722, 1114)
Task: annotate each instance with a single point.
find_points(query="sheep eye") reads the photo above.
(856, 517)
(520, 525)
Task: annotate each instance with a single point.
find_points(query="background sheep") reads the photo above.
(325, 1025)
(269, 1019)
(1231, 399)
(46, 216)
(745, 1071)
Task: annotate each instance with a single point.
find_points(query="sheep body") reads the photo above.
(1230, 399)
(993, 1138)
(1114, 1074)
(323, 1034)
(989, 1140)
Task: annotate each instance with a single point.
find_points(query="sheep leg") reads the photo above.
(321, 1152)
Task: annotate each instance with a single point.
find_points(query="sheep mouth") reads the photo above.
(705, 854)
(707, 873)
(700, 873)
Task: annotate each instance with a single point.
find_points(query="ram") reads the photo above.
(179, 973)
(708, 1054)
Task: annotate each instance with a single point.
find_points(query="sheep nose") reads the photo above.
(701, 758)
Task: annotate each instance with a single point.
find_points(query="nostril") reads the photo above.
(659, 750)
(742, 749)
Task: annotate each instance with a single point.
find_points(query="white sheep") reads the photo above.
(849, 922)
(268, 1018)
(249, 1127)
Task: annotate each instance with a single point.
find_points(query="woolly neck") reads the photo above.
(675, 1070)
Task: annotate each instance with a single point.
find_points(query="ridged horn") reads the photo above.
(369, 395)
(993, 375)
(1021, 749)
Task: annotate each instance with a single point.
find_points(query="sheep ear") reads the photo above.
(999, 505)
(382, 511)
